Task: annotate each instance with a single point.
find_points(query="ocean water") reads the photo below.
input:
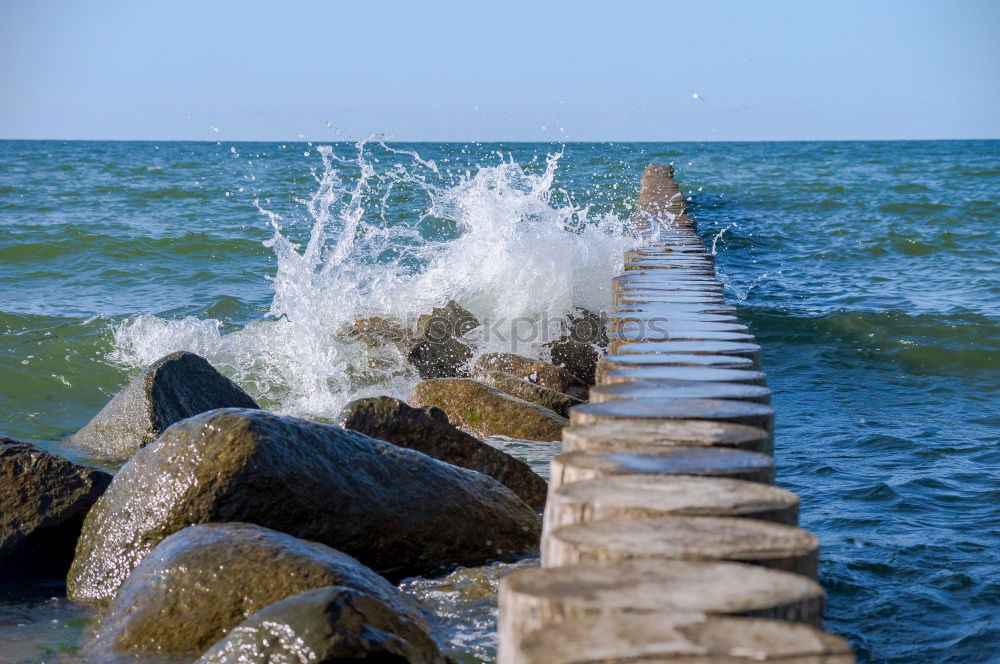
(867, 270)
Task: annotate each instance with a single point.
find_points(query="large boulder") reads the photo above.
(486, 411)
(169, 390)
(427, 430)
(522, 388)
(538, 372)
(396, 510)
(436, 349)
(43, 500)
(325, 626)
(201, 582)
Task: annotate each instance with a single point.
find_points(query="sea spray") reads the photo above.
(505, 242)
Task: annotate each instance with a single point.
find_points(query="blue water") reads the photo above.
(867, 271)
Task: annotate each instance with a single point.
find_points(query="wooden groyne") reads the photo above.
(664, 539)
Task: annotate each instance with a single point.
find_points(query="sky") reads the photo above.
(510, 71)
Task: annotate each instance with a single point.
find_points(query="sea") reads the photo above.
(868, 271)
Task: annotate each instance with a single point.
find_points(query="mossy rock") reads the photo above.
(486, 411)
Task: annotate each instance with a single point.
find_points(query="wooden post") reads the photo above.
(657, 373)
(614, 435)
(665, 461)
(680, 389)
(681, 638)
(629, 497)
(683, 538)
(716, 410)
(535, 598)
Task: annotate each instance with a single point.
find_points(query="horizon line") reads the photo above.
(306, 141)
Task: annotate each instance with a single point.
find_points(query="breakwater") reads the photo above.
(663, 535)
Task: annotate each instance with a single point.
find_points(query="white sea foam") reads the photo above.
(511, 251)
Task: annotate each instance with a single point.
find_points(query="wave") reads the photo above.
(966, 343)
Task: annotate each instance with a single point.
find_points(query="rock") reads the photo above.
(579, 348)
(396, 510)
(427, 430)
(376, 331)
(325, 626)
(538, 372)
(451, 320)
(521, 388)
(486, 411)
(43, 500)
(169, 390)
(436, 351)
(440, 359)
(200, 582)
(578, 358)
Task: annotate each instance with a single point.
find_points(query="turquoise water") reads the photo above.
(867, 271)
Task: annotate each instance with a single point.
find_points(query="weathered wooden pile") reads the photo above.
(664, 539)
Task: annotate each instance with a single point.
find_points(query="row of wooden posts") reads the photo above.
(664, 537)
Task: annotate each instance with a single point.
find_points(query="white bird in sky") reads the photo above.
(695, 95)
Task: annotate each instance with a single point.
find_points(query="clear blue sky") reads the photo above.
(539, 70)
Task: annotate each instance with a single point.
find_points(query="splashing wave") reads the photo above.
(504, 242)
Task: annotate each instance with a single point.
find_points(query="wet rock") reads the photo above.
(558, 402)
(450, 320)
(579, 359)
(587, 327)
(579, 348)
(427, 430)
(396, 510)
(325, 626)
(375, 332)
(172, 388)
(486, 411)
(538, 372)
(201, 582)
(386, 343)
(436, 350)
(43, 500)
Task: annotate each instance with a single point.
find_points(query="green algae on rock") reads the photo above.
(396, 510)
(200, 582)
(427, 430)
(169, 390)
(486, 411)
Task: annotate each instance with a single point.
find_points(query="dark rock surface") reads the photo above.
(486, 411)
(43, 500)
(202, 581)
(325, 626)
(427, 430)
(396, 510)
(436, 349)
(169, 390)
(579, 348)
